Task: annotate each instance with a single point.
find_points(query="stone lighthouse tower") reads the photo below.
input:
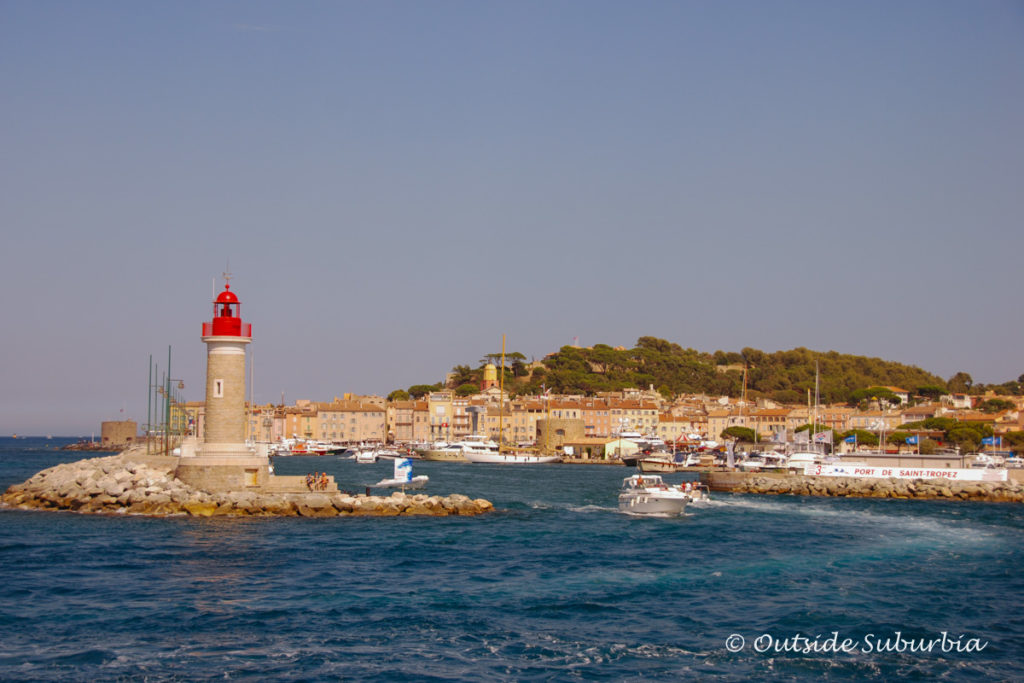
(224, 461)
(226, 338)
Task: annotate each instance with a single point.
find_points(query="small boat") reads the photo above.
(365, 456)
(698, 493)
(657, 462)
(403, 478)
(647, 494)
(387, 453)
(986, 461)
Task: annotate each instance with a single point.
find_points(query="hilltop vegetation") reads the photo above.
(783, 376)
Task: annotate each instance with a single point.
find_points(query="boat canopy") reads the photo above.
(621, 447)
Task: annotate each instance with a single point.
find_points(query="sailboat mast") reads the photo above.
(817, 396)
(501, 396)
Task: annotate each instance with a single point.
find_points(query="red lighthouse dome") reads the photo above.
(227, 320)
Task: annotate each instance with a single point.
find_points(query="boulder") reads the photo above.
(199, 509)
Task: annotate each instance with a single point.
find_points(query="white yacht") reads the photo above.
(801, 460)
(459, 450)
(510, 457)
(647, 494)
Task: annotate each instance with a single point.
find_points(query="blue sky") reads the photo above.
(398, 184)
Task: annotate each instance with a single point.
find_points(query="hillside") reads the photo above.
(784, 376)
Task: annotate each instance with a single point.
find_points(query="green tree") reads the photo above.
(421, 390)
(1015, 440)
(398, 395)
(510, 358)
(462, 374)
(995, 405)
(960, 383)
(864, 437)
(742, 433)
(874, 394)
(967, 439)
(467, 389)
(898, 438)
(931, 391)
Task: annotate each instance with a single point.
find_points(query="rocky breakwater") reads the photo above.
(117, 484)
(941, 489)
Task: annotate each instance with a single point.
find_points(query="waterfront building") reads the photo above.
(439, 408)
(266, 423)
(300, 420)
(673, 428)
(924, 411)
(350, 421)
(408, 421)
(120, 433)
(769, 423)
(718, 422)
(875, 420)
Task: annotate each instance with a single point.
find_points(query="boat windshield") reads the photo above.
(645, 480)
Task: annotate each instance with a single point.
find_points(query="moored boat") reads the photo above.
(511, 457)
(456, 451)
(657, 462)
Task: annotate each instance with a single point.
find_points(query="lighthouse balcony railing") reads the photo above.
(225, 328)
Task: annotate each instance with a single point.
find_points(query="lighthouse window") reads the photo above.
(218, 388)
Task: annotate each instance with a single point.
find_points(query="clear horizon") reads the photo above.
(396, 185)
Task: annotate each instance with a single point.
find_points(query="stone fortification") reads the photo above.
(122, 484)
(942, 489)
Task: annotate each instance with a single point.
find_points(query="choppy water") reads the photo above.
(557, 585)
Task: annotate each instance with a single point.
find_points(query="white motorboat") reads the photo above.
(752, 463)
(800, 460)
(366, 456)
(647, 494)
(984, 460)
(403, 477)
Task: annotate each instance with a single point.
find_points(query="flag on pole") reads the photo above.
(912, 440)
(852, 438)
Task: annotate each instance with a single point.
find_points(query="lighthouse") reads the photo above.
(224, 461)
(226, 337)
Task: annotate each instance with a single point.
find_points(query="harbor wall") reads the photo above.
(121, 484)
(780, 483)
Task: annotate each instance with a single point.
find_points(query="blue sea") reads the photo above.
(557, 585)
